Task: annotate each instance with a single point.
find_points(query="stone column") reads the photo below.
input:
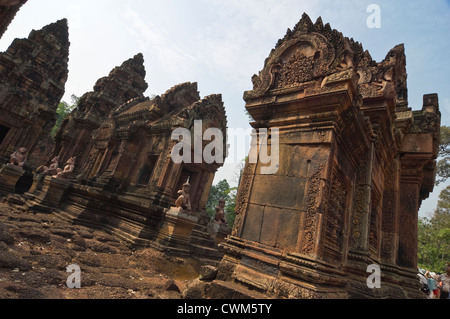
(361, 209)
(9, 175)
(310, 239)
(391, 203)
(172, 179)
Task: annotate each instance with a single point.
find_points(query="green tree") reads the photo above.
(222, 191)
(434, 236)
(63, 110)
(434, 232)
(216, 193)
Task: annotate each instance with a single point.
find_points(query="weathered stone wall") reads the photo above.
(123, 83)
(33, 73)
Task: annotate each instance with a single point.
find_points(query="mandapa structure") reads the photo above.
(355, 164)
(125, 180)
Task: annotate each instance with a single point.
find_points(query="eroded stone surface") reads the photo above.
(33, 73)
(35, 250)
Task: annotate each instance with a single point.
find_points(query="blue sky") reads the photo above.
(221, 43)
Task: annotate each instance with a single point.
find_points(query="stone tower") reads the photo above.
(123, 83)
(33, 73)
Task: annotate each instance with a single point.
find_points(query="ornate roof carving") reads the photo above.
(123, 83)
(313, 54)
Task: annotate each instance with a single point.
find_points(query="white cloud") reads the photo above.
(236, 43)
(155, 40)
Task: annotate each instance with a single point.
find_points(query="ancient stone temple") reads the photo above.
(33, 73)
(125, 180)
(355, 164)
(122, 84)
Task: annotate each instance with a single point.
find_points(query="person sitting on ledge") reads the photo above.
(183, 202)
(68, 169)
(19, 157)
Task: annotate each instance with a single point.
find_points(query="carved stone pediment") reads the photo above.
(300, 60)
(308, 53)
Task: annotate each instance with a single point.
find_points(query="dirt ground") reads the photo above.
(37, 248)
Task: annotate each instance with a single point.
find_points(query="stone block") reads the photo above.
(52, 194)
(175, 232)
(9, 175)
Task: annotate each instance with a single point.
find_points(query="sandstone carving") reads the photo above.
(52, 169)
(33, 73)
(67, 171)
(125, 179)
(19, 157)
(183, 202)
(355, 164)
(220, 217)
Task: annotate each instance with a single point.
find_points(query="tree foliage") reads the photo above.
(63, 110)
(434, 236)
(222, 191)
(434, 232)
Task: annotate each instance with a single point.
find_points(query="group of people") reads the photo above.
(434, 285)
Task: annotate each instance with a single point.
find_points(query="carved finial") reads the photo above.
(398, 49)
(288, 33)
(305, 24)
(59, 29)
(318, 26)
(431, 103)
(139, 57)
(367, 56)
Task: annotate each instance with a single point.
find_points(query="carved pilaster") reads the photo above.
(408, 219)
(172, 180)
(335, 229)
(359, 234)
(313, 218)
(389, 239)
(243, 197)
